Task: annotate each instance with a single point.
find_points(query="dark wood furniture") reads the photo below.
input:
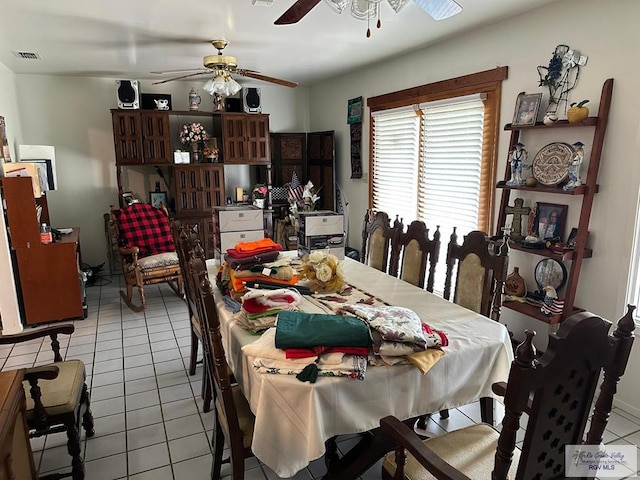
(311, 155)
(598, 126)
(16, 457)
(152, 269)
(147, 138)
(234, 421)
(480, 274)
(199, 188)
(48, 277)
(62, 402)
(556, 390)
(415, 252)
(187, 244)
(377, 235)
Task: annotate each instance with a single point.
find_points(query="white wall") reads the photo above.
(9, 110)
(72, 113)
(522, 43)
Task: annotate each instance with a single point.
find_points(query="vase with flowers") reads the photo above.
(210, 150)
(259, 195)
(301, 199)
(324, 271)
(194, 134)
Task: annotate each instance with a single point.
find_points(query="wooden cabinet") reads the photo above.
(572, 258)
(198, 189)
(245, 138)
(141, 137)
(48, 278)
(16, 458)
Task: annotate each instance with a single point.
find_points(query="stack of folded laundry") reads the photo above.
(398, 335)
(256, 264)
(260, 307)
(340, 345)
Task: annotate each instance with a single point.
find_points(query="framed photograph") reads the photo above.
(158, 199)
(549, 221)
(527, 106)
(354, 110)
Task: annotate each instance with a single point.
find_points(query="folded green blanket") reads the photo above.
(308, 330)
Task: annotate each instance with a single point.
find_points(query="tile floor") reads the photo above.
(148, 411)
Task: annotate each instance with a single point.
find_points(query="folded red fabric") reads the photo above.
(427, 330)
(314, 352)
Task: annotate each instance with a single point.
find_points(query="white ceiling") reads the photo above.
(131, 38)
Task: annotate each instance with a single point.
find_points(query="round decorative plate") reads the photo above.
(550, 272)
(551, 163)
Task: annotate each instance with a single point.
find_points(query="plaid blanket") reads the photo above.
(146, 227)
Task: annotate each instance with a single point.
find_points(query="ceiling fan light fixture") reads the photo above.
(398, 5)
(364, 9)
(338, 6)
(233, 86)
(439, 9)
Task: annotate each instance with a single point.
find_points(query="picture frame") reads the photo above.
(526, 111)
(158, 199)
(549, 221)
(571, 240)
(354, 110)
(128, 198)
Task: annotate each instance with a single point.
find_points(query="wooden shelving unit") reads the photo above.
(587, 191)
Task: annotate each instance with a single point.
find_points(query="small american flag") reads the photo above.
(295, 188)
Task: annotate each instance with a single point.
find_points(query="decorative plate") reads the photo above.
(550, 272)
(551, 163)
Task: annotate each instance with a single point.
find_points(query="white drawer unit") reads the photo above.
(234, 224)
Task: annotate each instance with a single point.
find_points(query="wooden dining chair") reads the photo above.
(480, 273)
(557, 391)
(147, 251)
(377, 235)
(417, 253)
(186, 243)
(234, 420)
(57, 397)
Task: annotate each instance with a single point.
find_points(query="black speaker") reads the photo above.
(232, 105)
(128, 94)
(251, 100)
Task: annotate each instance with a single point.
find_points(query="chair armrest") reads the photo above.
(406, 438)
(65, 329)
(45, 372)
(131, 252)
(500, 388)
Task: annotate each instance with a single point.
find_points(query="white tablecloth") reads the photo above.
(293, 419)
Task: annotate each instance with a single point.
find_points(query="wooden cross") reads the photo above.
(517, 211)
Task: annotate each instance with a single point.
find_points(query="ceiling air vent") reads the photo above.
(28, 55)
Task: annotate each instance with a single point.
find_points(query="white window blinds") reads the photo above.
(396, 135)
(451, 165)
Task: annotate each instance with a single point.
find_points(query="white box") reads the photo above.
(181, 157)
(240, 219)
(338, 251)
(323, 222)
(230, 239)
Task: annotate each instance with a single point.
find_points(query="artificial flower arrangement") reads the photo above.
(307, 203)
(324, 271)
(193, 132)
(259, 191)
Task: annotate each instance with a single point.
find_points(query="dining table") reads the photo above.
(296, 422)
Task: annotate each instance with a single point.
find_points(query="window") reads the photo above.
(434, 153)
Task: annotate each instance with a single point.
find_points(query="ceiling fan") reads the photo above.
(364, 9)
(221, 67)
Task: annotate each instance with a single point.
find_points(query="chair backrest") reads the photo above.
(215, 360)
(143, 226)
(480, 273)
(415, 252)
(557, 391)
(377, 234)
(186, 243)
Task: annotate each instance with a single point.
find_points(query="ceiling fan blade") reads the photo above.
(259, 76)
(296, 12)
(181, 77)
(439, 9)
(180, 70)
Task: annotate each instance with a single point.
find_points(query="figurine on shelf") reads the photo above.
(551, 305)
(517, 157)
(574, 167)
